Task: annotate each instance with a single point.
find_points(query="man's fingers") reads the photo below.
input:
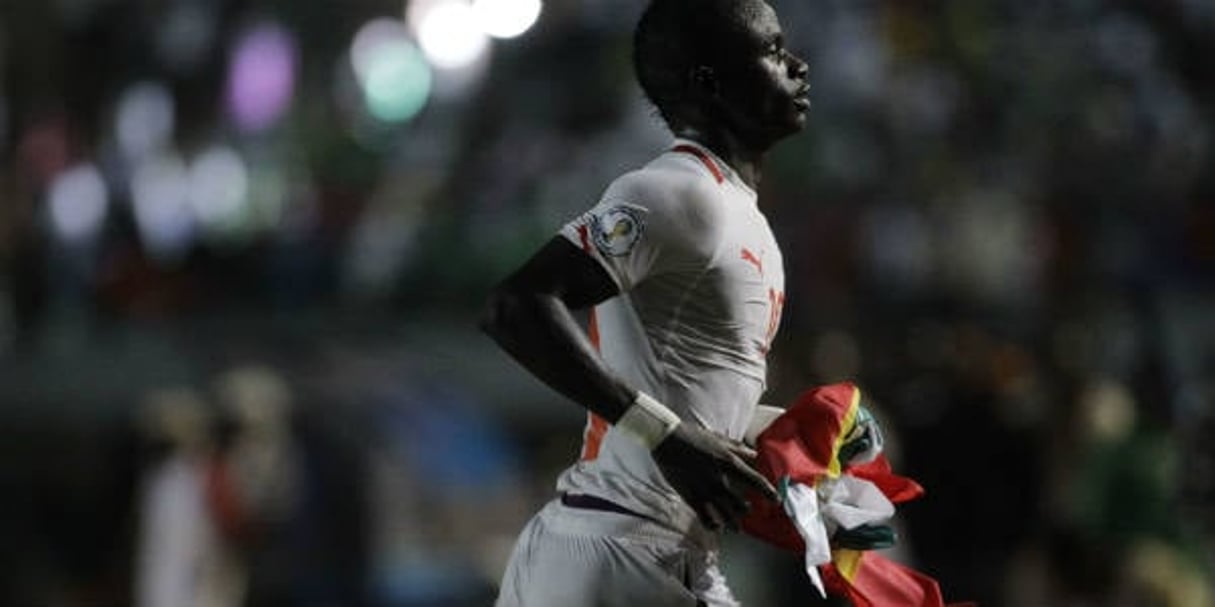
(744, 455)
(752, 477)
(744, 451)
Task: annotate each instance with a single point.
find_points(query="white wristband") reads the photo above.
(648, 420)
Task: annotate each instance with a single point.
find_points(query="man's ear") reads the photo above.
(704, 81)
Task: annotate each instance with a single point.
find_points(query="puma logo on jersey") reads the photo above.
(747, 255)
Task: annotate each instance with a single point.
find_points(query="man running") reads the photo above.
(687, 285)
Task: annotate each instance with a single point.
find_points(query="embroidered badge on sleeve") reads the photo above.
(616, 230)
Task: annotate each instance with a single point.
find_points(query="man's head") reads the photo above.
(721, 64)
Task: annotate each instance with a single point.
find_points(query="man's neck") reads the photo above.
(746, 160)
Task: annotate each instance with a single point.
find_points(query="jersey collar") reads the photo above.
(717, 167)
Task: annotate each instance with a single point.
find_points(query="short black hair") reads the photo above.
(674, 37)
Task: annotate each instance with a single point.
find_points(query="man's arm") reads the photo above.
(529, 315)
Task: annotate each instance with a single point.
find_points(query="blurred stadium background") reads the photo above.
(243, 244)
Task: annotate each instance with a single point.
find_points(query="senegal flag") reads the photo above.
(815, 448)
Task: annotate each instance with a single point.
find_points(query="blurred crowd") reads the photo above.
(237, 290)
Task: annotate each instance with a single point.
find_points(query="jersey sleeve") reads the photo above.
(637, 231)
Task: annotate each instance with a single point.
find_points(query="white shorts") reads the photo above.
(573, 556)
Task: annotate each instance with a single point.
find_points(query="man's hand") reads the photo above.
(711, 473)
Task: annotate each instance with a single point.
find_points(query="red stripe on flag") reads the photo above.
(868, 579)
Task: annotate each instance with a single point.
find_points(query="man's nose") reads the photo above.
(797, 67)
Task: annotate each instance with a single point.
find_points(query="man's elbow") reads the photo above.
(504, 311)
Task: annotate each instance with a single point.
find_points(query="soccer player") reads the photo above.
(687, 285)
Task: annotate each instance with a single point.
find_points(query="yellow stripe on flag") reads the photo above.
(833, 467)
(847, 562)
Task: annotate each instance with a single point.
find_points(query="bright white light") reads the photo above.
(160, 193)
(506, 18)
(78, 201)
(145, 119)
(219, 188)
(449, 35)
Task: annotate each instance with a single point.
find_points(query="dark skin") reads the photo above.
(738, 107)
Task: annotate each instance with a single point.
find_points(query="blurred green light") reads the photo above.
(398, 81)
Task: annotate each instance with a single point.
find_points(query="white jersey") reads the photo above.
(701, 289)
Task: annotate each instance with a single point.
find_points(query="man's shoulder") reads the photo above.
(673, 199)
(666, 180)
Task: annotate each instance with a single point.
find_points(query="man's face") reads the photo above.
(763, 91)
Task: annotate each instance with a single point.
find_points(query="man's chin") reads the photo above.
(788, 127)
(797, 123)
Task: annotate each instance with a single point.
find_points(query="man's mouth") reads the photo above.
(801, 98)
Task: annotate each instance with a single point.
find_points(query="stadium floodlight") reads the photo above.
(398, 83)
(77, 204)
(218, 189)
(160, 198)
(370, 39)
(394, 76)
(449, 33)
(144, 119)
(506, 18)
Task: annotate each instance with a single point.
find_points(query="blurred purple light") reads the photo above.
(261, 77)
